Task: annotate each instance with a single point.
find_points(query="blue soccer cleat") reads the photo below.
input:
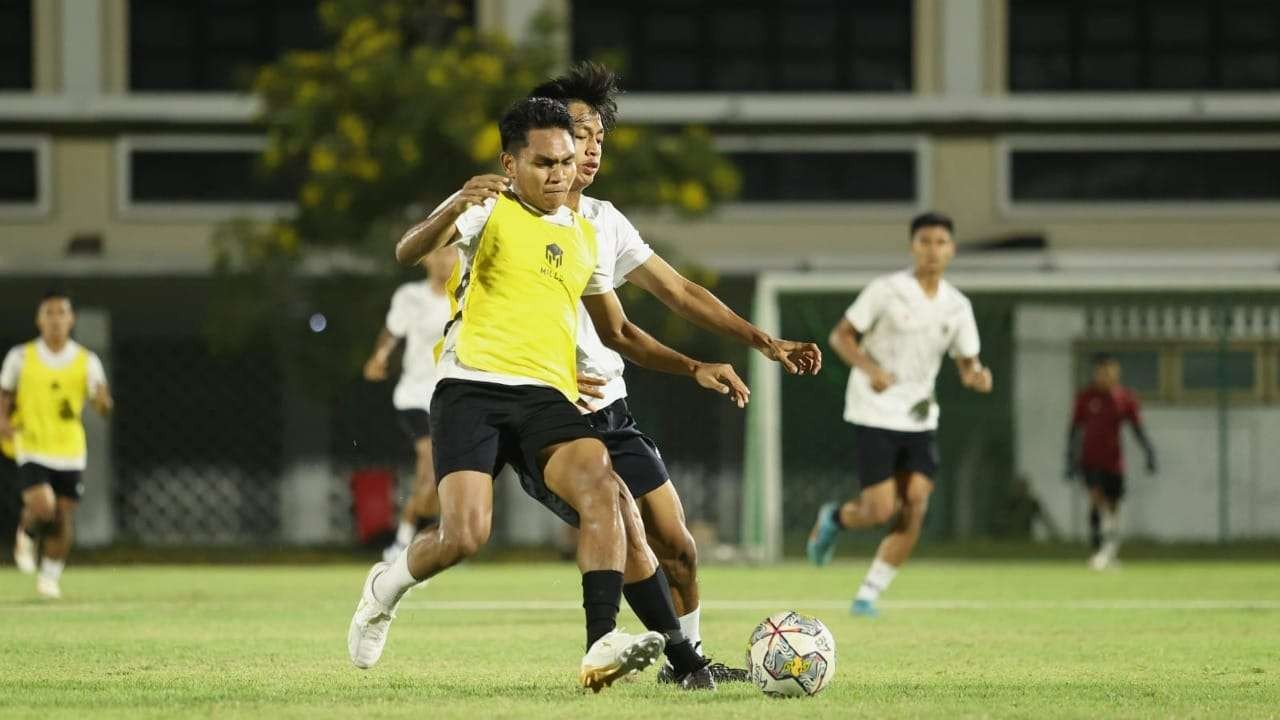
(822, 541)
(864, 608)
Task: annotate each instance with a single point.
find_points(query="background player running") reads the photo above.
(1095, 452)
(43, 388)
(894, 337)
(418, 314)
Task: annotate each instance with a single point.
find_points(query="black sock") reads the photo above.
(601, 596)
(651, 600)
(835, 516)
(1095, 529)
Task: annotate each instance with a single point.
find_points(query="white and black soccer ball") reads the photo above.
(791, 655)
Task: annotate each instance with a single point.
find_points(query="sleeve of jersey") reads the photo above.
(471, 223)
(97, 375)
(967, 344)
(10, 370)
(631, 250)
(864, 311)
(398, 316)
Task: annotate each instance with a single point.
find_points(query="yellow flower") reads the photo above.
(353, 129)
(725, 179)
(366, 169)
(287, 239)
(693, 197)
(271, 156)
(408, 150)
(312, 194)
(485, 69)
(308, 91)
(623, 138)
(486, 144)
(322, 161)
(437, 77)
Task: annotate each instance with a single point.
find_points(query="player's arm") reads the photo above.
(1075, 441)
(699, 306)
(438, 229)
(375, 368)
(102, 400)
(620, 334)
(847, 342)
(6, 409)
(973, 374)
(1139, 432)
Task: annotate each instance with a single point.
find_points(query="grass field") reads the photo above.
(957, 638)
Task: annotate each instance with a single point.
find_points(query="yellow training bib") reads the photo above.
(50, 404)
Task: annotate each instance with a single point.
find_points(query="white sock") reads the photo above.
(394, 581)
(690, 625)
(877, 580)
(404, 533)
(51, 569)
(1109, 523)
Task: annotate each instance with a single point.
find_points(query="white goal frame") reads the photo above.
(761, 534)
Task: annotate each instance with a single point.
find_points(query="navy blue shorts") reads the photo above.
(883, 454)
(415, 423)
(635, 456)
(65, 483)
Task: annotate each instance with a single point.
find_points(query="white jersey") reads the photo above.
(11, 370)
(907, 333)
(418, 315)
(621, 250)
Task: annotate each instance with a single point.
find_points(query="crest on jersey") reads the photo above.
(555, 256)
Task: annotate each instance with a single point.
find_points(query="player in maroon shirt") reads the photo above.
(1094, 452)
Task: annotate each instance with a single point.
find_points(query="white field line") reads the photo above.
(492, 605)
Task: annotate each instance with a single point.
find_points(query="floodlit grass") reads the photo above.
(957, 639)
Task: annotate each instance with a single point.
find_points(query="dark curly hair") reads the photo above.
(589, 82)
(531, 113)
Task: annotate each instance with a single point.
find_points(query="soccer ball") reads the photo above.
(791, 655)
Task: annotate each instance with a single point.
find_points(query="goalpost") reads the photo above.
(763, 500)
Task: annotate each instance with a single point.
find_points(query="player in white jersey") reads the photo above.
(589, 90)
(418, 315)
(44, 386)
(894, 338)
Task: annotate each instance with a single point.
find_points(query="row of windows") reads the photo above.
(729, 45)
(224, 171)
(1191, 372)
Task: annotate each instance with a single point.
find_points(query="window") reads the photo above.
(213, 45)
(24, 175)
(15, 45)
(1174, 371)
(1108, 173)
(730, 46)
(1205, 370)
(199, 175)
(848, 176)
(1156, 45)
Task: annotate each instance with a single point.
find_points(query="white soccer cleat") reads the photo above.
(48, 588)
(367, 634)
(617, 655)
(24, 552)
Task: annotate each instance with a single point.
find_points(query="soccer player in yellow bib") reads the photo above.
(506, 393)
(44, 385)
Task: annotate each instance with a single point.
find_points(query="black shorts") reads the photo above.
(1111, 484)
(415, 423)
(483, 426)
(635, 457)
(65, 483)
(882, 454)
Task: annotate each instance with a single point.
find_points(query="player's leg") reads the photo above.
(39, 510)
(1109, 490)
(466, 511)
(422, 509)
(57, 547)
(914, 490)
(876, 452)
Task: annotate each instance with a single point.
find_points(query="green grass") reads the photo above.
(1022, 639)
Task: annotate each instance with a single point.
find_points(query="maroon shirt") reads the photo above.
(1100, 414)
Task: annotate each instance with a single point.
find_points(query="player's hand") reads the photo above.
(797, 358)
(881, 380)
(1151, 465)
(591, 386)
(375, 368)
(479, 189)
(978, 380)
(102, 401)
(722, 378)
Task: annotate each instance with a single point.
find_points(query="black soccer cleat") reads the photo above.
(667, 674)
(723, 673)
(700, 679)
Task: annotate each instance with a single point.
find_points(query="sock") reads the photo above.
(1095, 533)
(1110, 524)
(392, 584)
(32, 534)
(835, 515)
(691, 626)
(877, 580)
(404, 533)
(601, 597)
(51, 569)
(651, 600)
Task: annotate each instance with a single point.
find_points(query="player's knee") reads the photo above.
(43, 513)
(879, 513)
(461, 540)
(590, 478)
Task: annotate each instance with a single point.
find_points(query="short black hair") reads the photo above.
(932, 218)
(589, 82)
(533, 113)
(1103, 358)
(55, 294)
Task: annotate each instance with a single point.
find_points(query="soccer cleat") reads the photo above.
(700, 679)
(723, 673)
(392, 552)
(618, 654)
(822, 540)
(24, 552)
(47, 588)
(864, 608)
(367, 635)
